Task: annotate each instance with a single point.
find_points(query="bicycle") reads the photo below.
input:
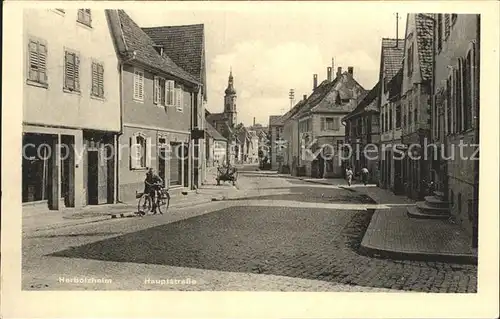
(145, 203)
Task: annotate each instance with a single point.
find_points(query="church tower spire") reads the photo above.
(230, 100)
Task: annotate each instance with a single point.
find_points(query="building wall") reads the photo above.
(131, 180)
(146, 113)
(461, 169)
(52, 105)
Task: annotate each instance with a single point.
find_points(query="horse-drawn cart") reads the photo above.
(226, 173)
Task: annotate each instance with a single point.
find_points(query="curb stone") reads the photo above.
(415, 256)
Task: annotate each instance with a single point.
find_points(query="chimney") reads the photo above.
(350, 70)
(305, 97)
(254, 121)
(339, 71)
(315, 81)
(329, 74)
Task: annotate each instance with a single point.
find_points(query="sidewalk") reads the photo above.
(207, 193)
(391, 233)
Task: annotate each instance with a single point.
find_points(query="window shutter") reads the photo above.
(136, 85)
(33, 61)
(77, 72)
(323, 120)
(42, 62)
(156, 90)
(447, 25)
(95, 76)
(170, 96)
(148, 152)
(178, 98)
(69, 72)
(141, 85)
(100, 84)
(473, 83)
(336, 123)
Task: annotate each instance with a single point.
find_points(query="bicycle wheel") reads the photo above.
(144, 206)
(163, 203)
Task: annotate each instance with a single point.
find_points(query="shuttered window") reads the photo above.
(446, 25)
(159, 91)
(72, 71)
(37, 61)
(179, 99)
(84, 17)
(170, 93)
(470, 89)
(97, 79)
(138, 85)
(140, 151)
(448, 106)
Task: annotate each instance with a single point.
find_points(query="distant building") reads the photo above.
(276, 148)
(416, 101)
(226, 121)
(363, 135)
(390, 77)
(216, 146)
(320, 132)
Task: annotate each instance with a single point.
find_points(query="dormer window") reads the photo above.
(159, 49)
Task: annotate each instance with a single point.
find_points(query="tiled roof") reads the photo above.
(395, 84)
(347, 89)
(368, 103)
(213, 132)
(392, 55)
(275, 120)
(136, 40)
(323, 98)
(215, 117)
(292, 111)
(425, 34)
(183, 44)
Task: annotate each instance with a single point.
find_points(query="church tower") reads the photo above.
(230, 101)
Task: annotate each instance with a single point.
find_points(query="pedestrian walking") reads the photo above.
(364, 175)
(348, 175)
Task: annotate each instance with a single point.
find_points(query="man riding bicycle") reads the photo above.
(152, 185)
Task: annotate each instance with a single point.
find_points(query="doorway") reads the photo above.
(93, 177)
(162, 165)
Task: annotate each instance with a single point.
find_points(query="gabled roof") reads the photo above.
(425, 38)
(368, 103)
(213, 132)
(323, 97)
(395, 84)
(275, 120)
(184, 44)
(292, 111)
(216, 117)
(392, 56)
(134, 44)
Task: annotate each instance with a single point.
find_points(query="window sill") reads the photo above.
(37, 84)
(161, 106)
(62, 14)
(84, 25)
(180, 110)
(139, 169)
(98, 98)
(138, 101)
(66, 90)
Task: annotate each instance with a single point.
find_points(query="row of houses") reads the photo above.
(416, 129)
(424, 114)
(103, 101)
(306, 139)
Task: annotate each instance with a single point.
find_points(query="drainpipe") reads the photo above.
(120, 133)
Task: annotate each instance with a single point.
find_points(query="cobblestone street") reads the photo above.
(223, 244)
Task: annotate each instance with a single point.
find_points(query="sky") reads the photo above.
(272, 49)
